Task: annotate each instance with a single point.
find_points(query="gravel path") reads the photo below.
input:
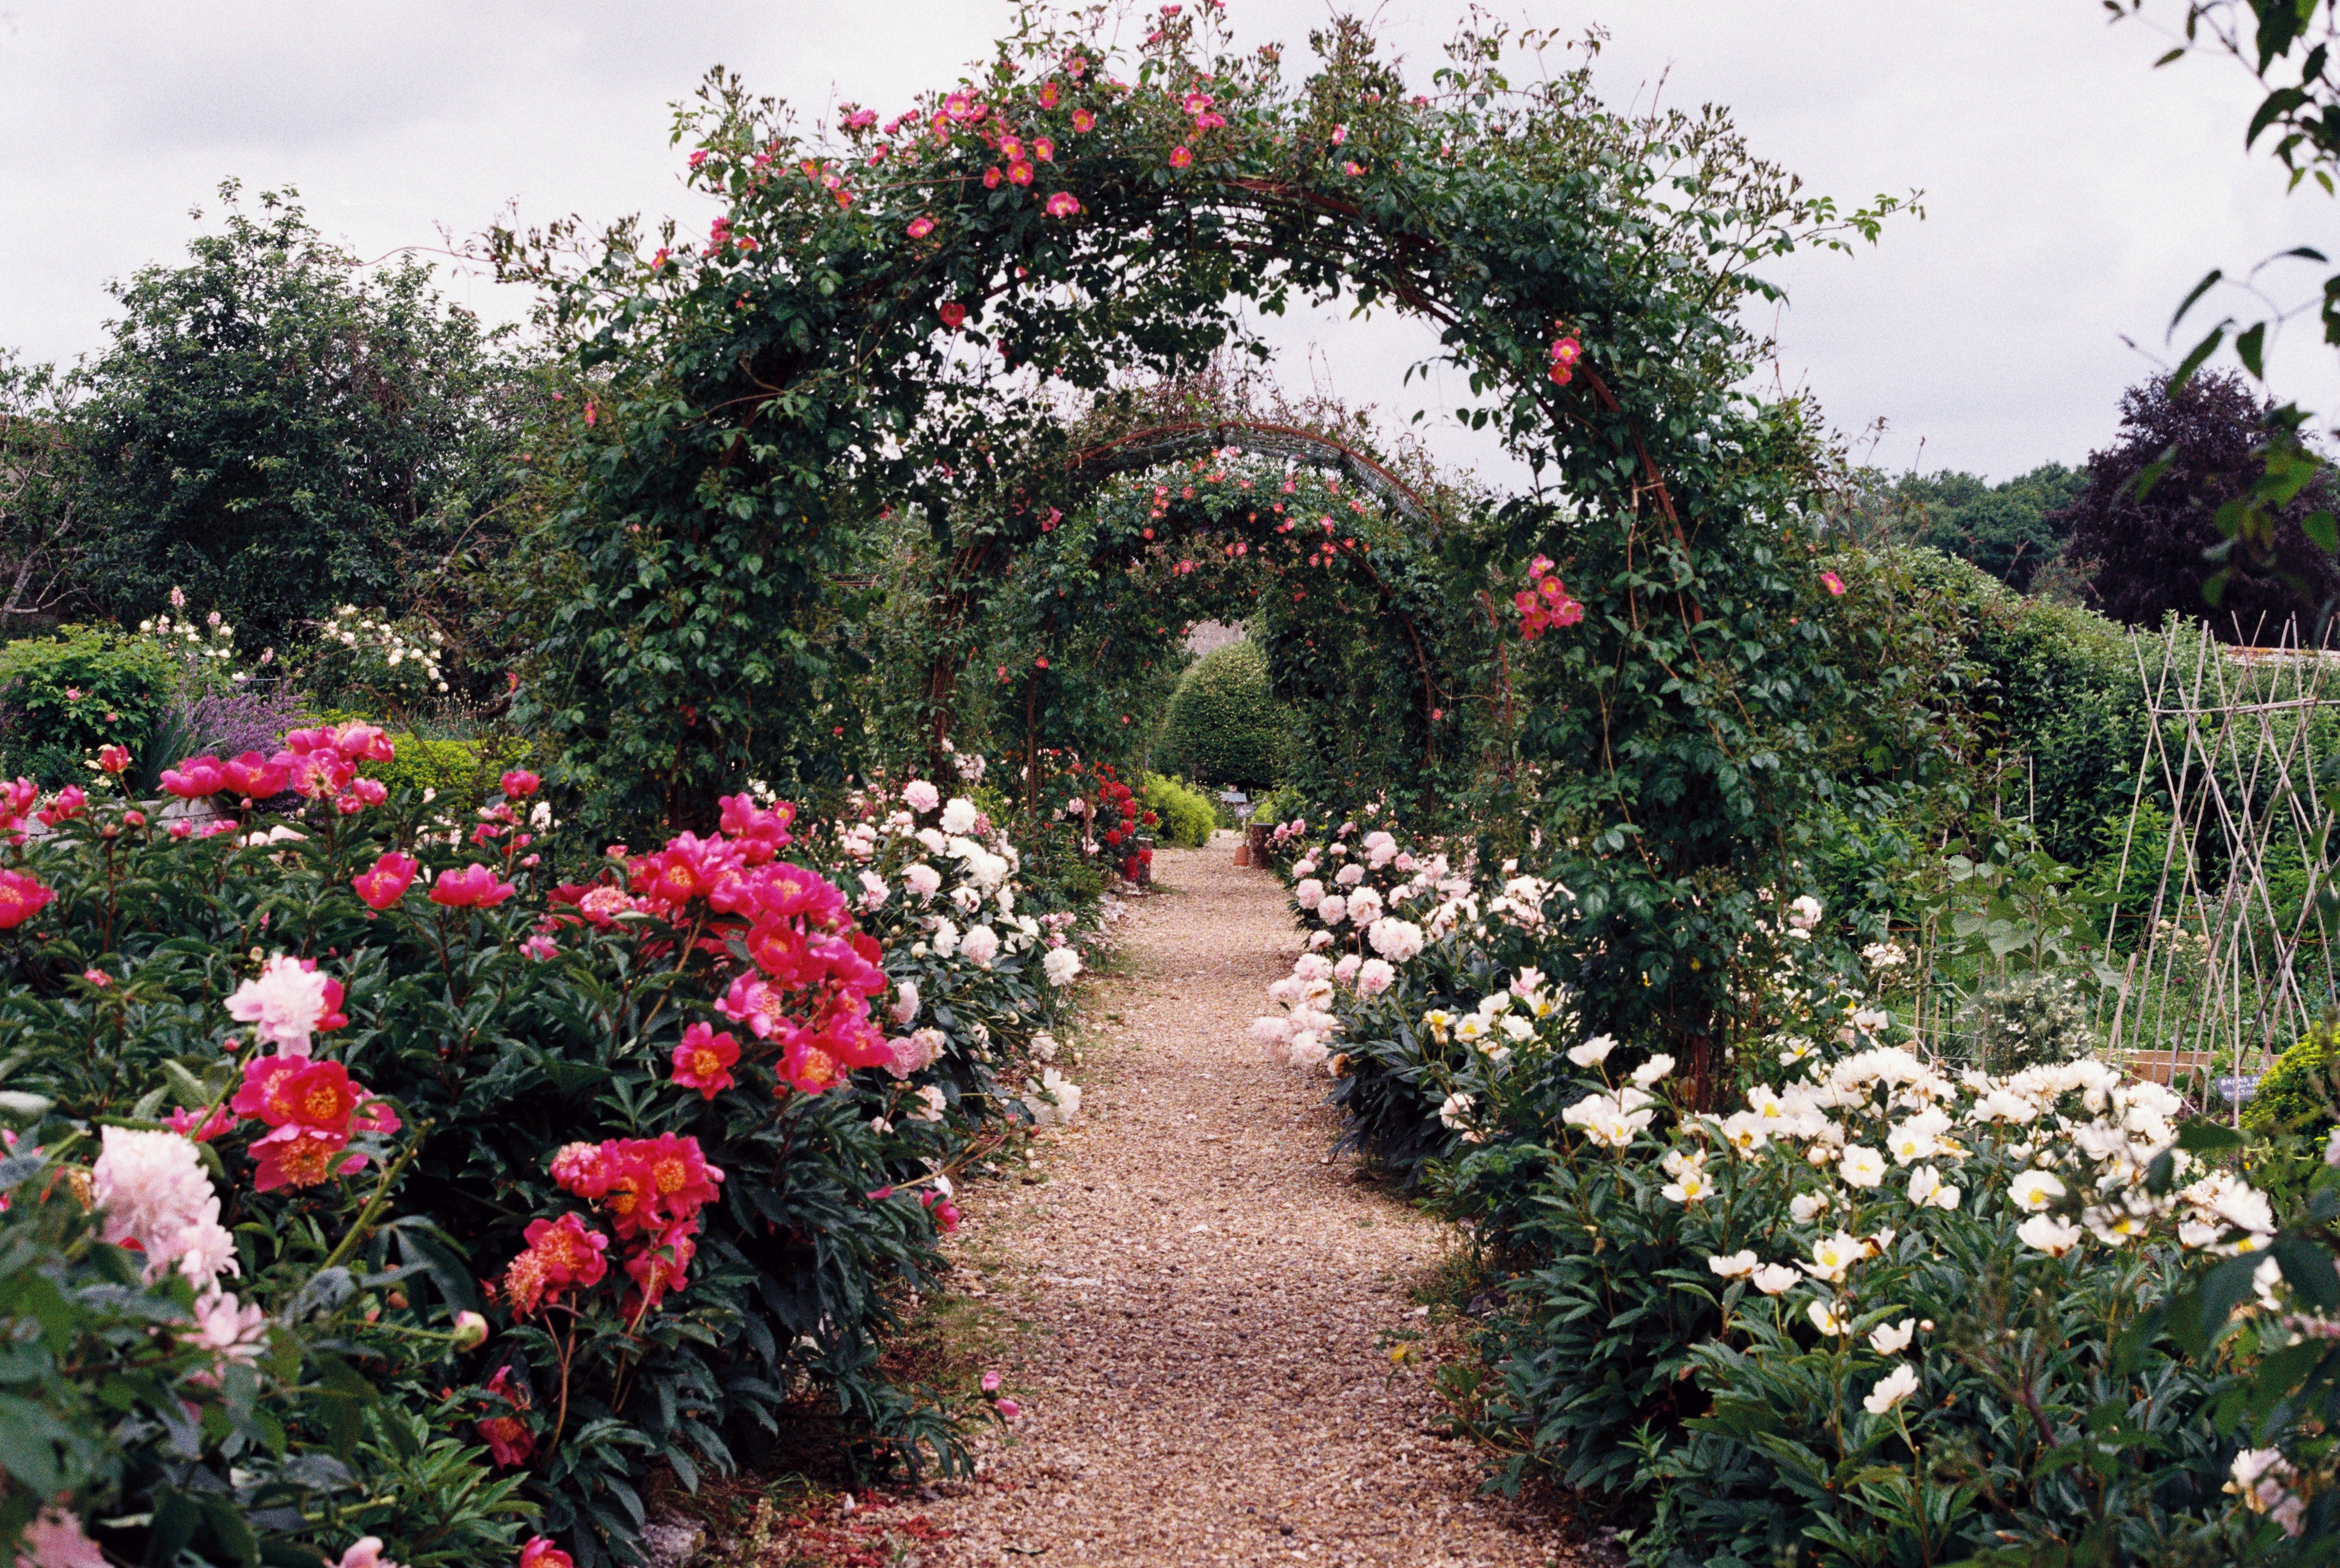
(1204, 1296)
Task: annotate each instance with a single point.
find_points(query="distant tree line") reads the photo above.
(2135, 533)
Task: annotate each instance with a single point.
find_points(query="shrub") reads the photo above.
(2029, 1020)
(1186, 813)
(64, 696)
(1223, 727)
(460, 775)
(522, 1041)
(369, 660)
(2298, 1092)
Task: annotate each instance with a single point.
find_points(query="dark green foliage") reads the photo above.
(43, 491)
(108, 1408)
(1223, 726)
(2010, 531)
(2150, 518)
(278, 432)
(2060, 702)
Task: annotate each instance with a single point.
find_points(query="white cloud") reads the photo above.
(2074, 194)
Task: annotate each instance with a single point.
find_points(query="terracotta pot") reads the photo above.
(1243, 854)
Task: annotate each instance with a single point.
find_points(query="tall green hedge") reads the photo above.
(1223, 727)
(2064, 708)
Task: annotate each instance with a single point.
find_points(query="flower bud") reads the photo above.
(471, 1330)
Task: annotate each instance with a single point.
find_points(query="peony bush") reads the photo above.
(444, 1177)
(1858, 1307)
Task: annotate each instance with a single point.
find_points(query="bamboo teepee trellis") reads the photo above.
(2234, 958)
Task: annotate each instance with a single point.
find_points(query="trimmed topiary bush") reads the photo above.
(1187, 816)
(1223, 727)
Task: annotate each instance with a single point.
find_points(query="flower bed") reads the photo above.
(1868, 1310)
(414, 1192)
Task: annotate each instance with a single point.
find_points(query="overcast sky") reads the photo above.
(2072, 193)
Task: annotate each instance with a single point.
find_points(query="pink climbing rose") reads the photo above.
(1063, 205)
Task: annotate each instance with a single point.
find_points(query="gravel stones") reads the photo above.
(1205, 1380)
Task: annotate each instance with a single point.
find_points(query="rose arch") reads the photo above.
(888, 321)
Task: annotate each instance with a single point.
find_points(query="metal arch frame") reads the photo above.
(1168, 442)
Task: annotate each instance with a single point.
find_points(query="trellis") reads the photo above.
(2233, 958)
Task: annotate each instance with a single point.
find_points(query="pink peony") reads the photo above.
(288, 1001)
(194, 777)
(383, 885)
(704, 1060)
(473, 887)
(54, 1540)
(920, 795)
(21, 898)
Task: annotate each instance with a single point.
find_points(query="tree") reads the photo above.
(2010, 531)
(2149, 516)
(278, 430)
(43, 493)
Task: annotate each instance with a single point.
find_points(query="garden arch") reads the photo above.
(874, 320)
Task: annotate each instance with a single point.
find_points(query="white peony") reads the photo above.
(1892, 1338)
(1060, 966)
(1593, 1052)
(1733, 1266)
(1891, 1389)
(1773, 1279)
(980, 946)
(2048, 1234)
(2034, 1191)
(151, 1190)
(959, 817)
(1394, 939)
(1861, 1167)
